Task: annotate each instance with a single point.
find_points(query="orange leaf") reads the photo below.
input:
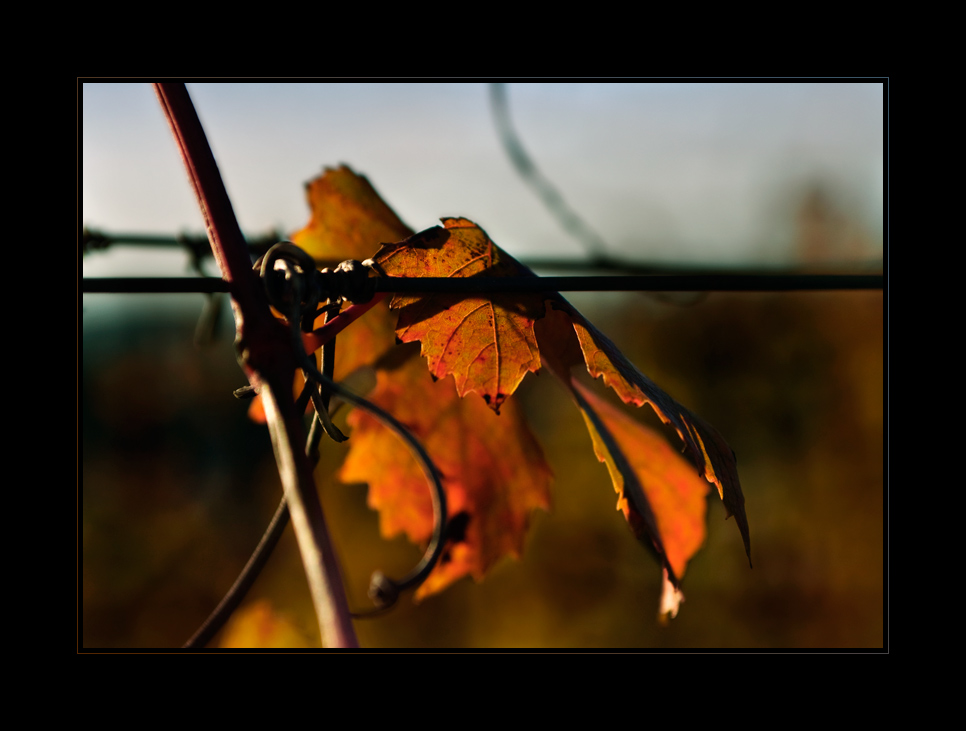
(256, 411)
(658, 491)
(487, 344)
(492, 468)
(704, 446)
(259, 625)
(348, 221)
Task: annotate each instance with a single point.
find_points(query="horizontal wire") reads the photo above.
(602, 263)
(635, 283)
(719, 282)
(153, 285)
(198, 244)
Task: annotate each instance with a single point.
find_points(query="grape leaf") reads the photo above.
(492, 467)
(487, 343)
(703, 445)
(348, 221)
(259, 625)
(490, 344)
(660, 495)
(493, 470)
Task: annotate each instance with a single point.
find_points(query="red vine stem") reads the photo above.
(265, 353)
(321, 335)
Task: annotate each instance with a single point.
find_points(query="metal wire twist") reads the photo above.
(355, 285)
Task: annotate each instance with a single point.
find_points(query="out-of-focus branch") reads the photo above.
(545, 190)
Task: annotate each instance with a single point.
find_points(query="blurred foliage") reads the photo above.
(177, 486)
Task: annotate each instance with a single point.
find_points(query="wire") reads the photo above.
(720, 281)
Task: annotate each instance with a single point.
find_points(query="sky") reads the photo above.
(687, 173)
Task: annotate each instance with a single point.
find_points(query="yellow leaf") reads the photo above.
(258, 625)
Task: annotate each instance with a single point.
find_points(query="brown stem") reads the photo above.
(265, 353)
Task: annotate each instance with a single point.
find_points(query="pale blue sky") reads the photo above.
(688, 173)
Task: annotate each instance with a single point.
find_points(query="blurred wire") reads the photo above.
(197, 245)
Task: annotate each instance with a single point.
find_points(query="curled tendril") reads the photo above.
(382, 590)
(294, 287)
(288, 271)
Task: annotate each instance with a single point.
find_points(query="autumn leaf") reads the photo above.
(492, 468)
(256, 412)
(486, 343)
(662, 498)
(348, 221)
(259, 625)
(705, 448)
(489, 344)
(661, 495)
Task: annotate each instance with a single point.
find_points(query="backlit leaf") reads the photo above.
(492, 468)
(348, 221)
(259, 625)
(660, 494)
(487, 343)
(703, 445)
(658, 491)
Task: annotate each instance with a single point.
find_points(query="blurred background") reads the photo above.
(177, 485)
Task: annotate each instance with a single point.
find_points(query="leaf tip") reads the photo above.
(742, 522)
(671, 598)
(494, 402)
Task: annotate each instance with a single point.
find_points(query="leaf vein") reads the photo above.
(466, 264)
(459, 326)
(496, 345)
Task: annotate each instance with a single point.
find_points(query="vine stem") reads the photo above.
(265, 354)
(322, 335)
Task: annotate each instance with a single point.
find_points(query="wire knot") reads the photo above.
(349, 281)
(289, 276)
